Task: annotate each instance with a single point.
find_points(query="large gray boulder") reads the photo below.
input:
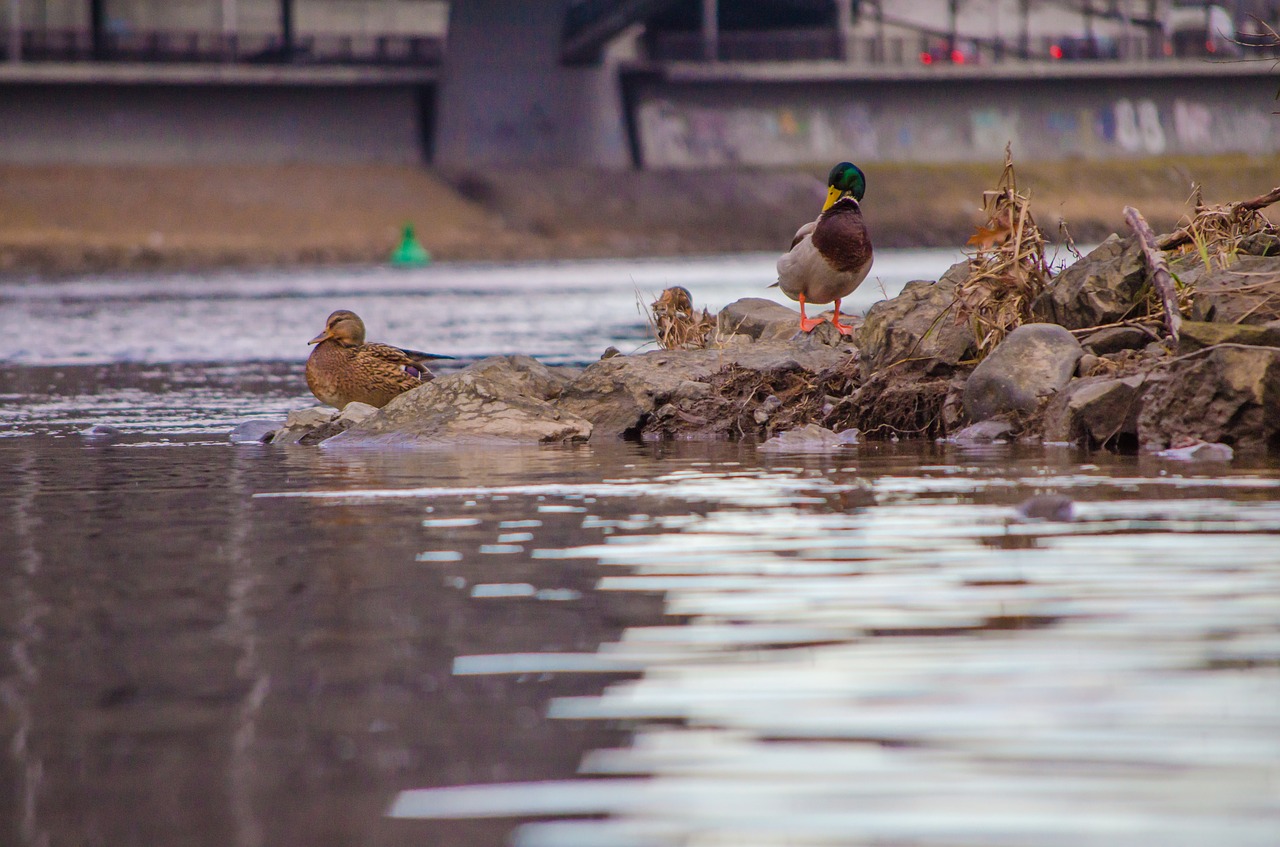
(495, 400)
(1033, 362)
(620, 393)
(1225, 394)
(919, 324)
(1100, 288)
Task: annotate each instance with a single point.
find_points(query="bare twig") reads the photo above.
(1160, 276)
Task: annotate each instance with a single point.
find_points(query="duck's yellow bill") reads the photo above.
(324, 336)
(833, 194)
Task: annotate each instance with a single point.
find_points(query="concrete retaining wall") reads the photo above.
(697, 124)
(125, 124)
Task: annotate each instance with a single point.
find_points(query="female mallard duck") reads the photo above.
(343, 368)
(830, 256)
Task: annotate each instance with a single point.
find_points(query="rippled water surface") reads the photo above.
(616, 644)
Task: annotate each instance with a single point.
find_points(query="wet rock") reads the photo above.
(1047, 507)
(1197, 335)
(1198, 451)
(254, 432)
(618, 395)
(1113, 339)
(1033, 362)
(917, 324)
(1100, 288)
(756, 317)
(1226, 394)
(474, 404)
(305, 423)
(310, 417)
(101, 431)
(1247, 292)
(988, 431)
(810, 438)
(1100, 411)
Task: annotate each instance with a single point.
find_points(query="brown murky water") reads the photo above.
(666, 644)
(239, 645)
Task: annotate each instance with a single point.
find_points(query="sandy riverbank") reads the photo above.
(81, 218)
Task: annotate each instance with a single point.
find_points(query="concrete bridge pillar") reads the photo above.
(506, 98)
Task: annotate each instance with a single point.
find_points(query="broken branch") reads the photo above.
(1160, 276)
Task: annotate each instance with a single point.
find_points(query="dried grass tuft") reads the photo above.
(1007, 269)
(1214, 232)
(675, 324)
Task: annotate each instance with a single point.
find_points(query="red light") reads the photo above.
(926, 59)
(1055, 52)
(957, 58)
(1210, 47)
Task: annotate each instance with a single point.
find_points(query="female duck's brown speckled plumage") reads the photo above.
(343, 368)
(830, 256)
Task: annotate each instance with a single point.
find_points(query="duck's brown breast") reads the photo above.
(842, 238)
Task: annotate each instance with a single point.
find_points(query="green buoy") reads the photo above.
(410, 253)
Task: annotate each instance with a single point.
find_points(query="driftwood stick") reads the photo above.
(1160, 276)
(1262, 201)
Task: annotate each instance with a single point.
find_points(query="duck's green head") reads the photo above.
(845, 179)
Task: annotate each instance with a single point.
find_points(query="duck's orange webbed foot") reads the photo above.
(807, 324)
(844, 329)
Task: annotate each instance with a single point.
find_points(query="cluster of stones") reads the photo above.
(1080, 374)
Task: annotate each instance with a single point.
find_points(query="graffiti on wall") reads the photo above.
(675, 134)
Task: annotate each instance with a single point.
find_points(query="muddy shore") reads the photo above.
(57, 220)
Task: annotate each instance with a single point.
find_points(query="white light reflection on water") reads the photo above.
(463, 309)
(926, 671)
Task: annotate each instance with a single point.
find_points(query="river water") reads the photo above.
(617, 644)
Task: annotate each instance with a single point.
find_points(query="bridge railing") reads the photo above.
(73, 45)
(925, 49)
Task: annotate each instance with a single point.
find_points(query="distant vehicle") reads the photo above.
(1201, 31)
(965, 52)
(1084, 47)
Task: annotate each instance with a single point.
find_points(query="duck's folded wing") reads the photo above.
(802, 233)
(390, 355)
(418, 355)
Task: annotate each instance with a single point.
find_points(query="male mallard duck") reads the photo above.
(343, 368)
(830, 256)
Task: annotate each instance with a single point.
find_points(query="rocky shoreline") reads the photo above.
(1092, 366)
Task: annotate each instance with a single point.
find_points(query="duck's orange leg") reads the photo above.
(807, 324)
(844, 329)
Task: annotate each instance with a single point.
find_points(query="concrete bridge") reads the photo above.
(570, 83)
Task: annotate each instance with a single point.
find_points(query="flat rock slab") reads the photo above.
(617, 394)
(810, 438)
(1033, 362)
(485, 402)
(1196, 335)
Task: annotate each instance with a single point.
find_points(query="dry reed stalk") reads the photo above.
(675, 325)
(1007, 269)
